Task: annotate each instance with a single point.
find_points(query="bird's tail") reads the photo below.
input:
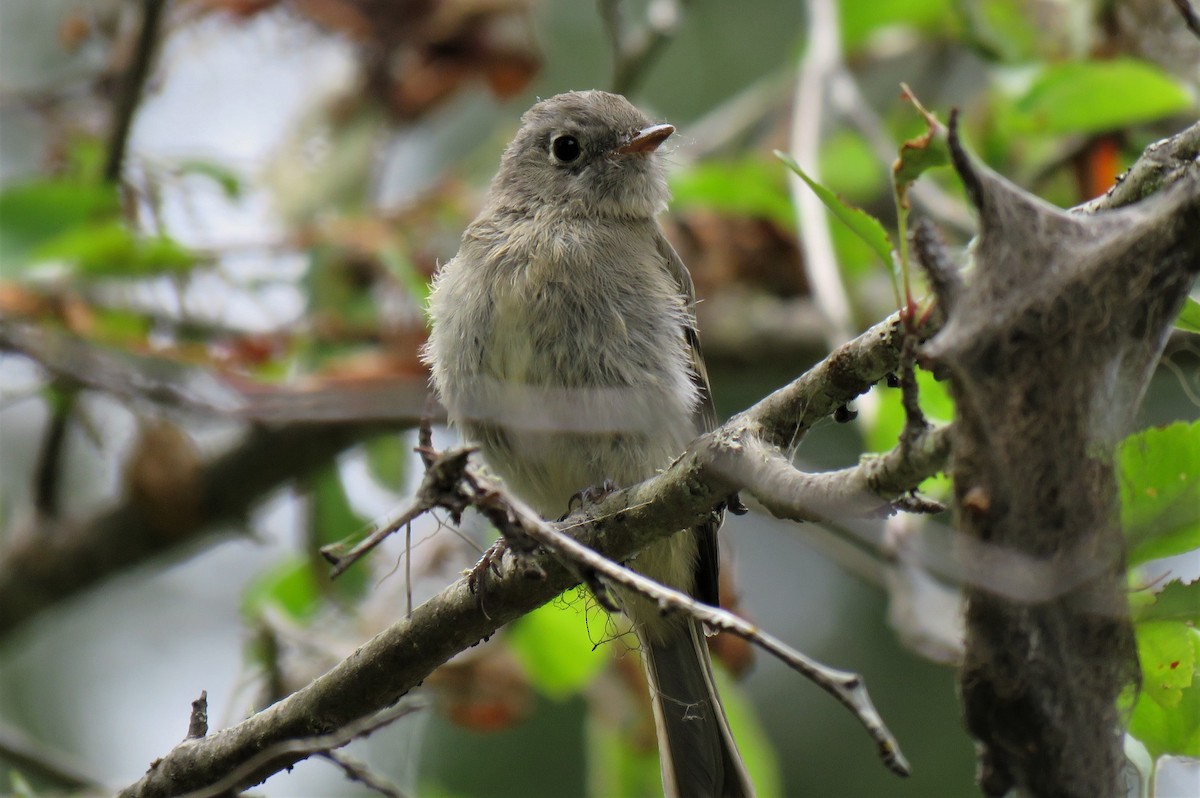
(698, 756)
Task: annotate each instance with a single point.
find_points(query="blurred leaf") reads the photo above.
(855, 257)
(1004, 29)
(111, 249)
(1189, 316)
(432, 789)
(86, 158)
(32, 214)
(115, 325)
(21, 788)
(334, 520)
(849, 167)
(859, 20)
(746, 187)
(1159, 478)
(863, 224)
(225, 178)
(333, 517)
(554, 645)
(289, 585)
(338, 285)
(622, 762)
(1177, 602)
(387, 457)
(752, 740)
(1099, 96)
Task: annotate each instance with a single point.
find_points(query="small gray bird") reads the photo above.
(564, 345)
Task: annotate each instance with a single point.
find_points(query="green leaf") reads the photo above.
(387, 457)
(333, 520)
(32, 214)
(745, 187)
(1189, 316)
(859, 20)
(1175, 602)
(863, 224)
(289, 586)
(1159, 478)
(332, 516)
(1003, 29)
(1167, 653)
(1168, 731)
(111, 249)
(1100, 96)
(554, 644)
(1166, 718)
(926, 151)
(849, 167)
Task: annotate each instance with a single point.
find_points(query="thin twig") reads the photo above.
(358, 771)
(23, 754)
(341, 561)
(306, 747)
(50, 456)
(846, 687)
(634, 53)
(1189, 16)
(131, 89)
(821, 56)
(134, 377)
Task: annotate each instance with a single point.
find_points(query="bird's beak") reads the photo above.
(646, 140)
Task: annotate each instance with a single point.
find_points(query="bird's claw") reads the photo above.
(590, 495)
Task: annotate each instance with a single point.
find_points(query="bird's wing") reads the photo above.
(706, 412)
(707, 586)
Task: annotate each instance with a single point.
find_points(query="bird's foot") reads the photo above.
(590, 495)
(490, 561)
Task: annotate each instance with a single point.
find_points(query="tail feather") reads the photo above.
(699, 758)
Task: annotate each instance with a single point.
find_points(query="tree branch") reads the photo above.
(848, 688)
(401, 657)
(1049, 349)
(63, 559)
(1162, 164)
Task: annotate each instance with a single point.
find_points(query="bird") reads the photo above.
(563, 344)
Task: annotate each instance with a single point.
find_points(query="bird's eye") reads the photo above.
(565, 149)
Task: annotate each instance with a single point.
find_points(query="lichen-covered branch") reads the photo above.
(1048, 348)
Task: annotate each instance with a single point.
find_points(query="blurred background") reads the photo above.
(217, 223)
